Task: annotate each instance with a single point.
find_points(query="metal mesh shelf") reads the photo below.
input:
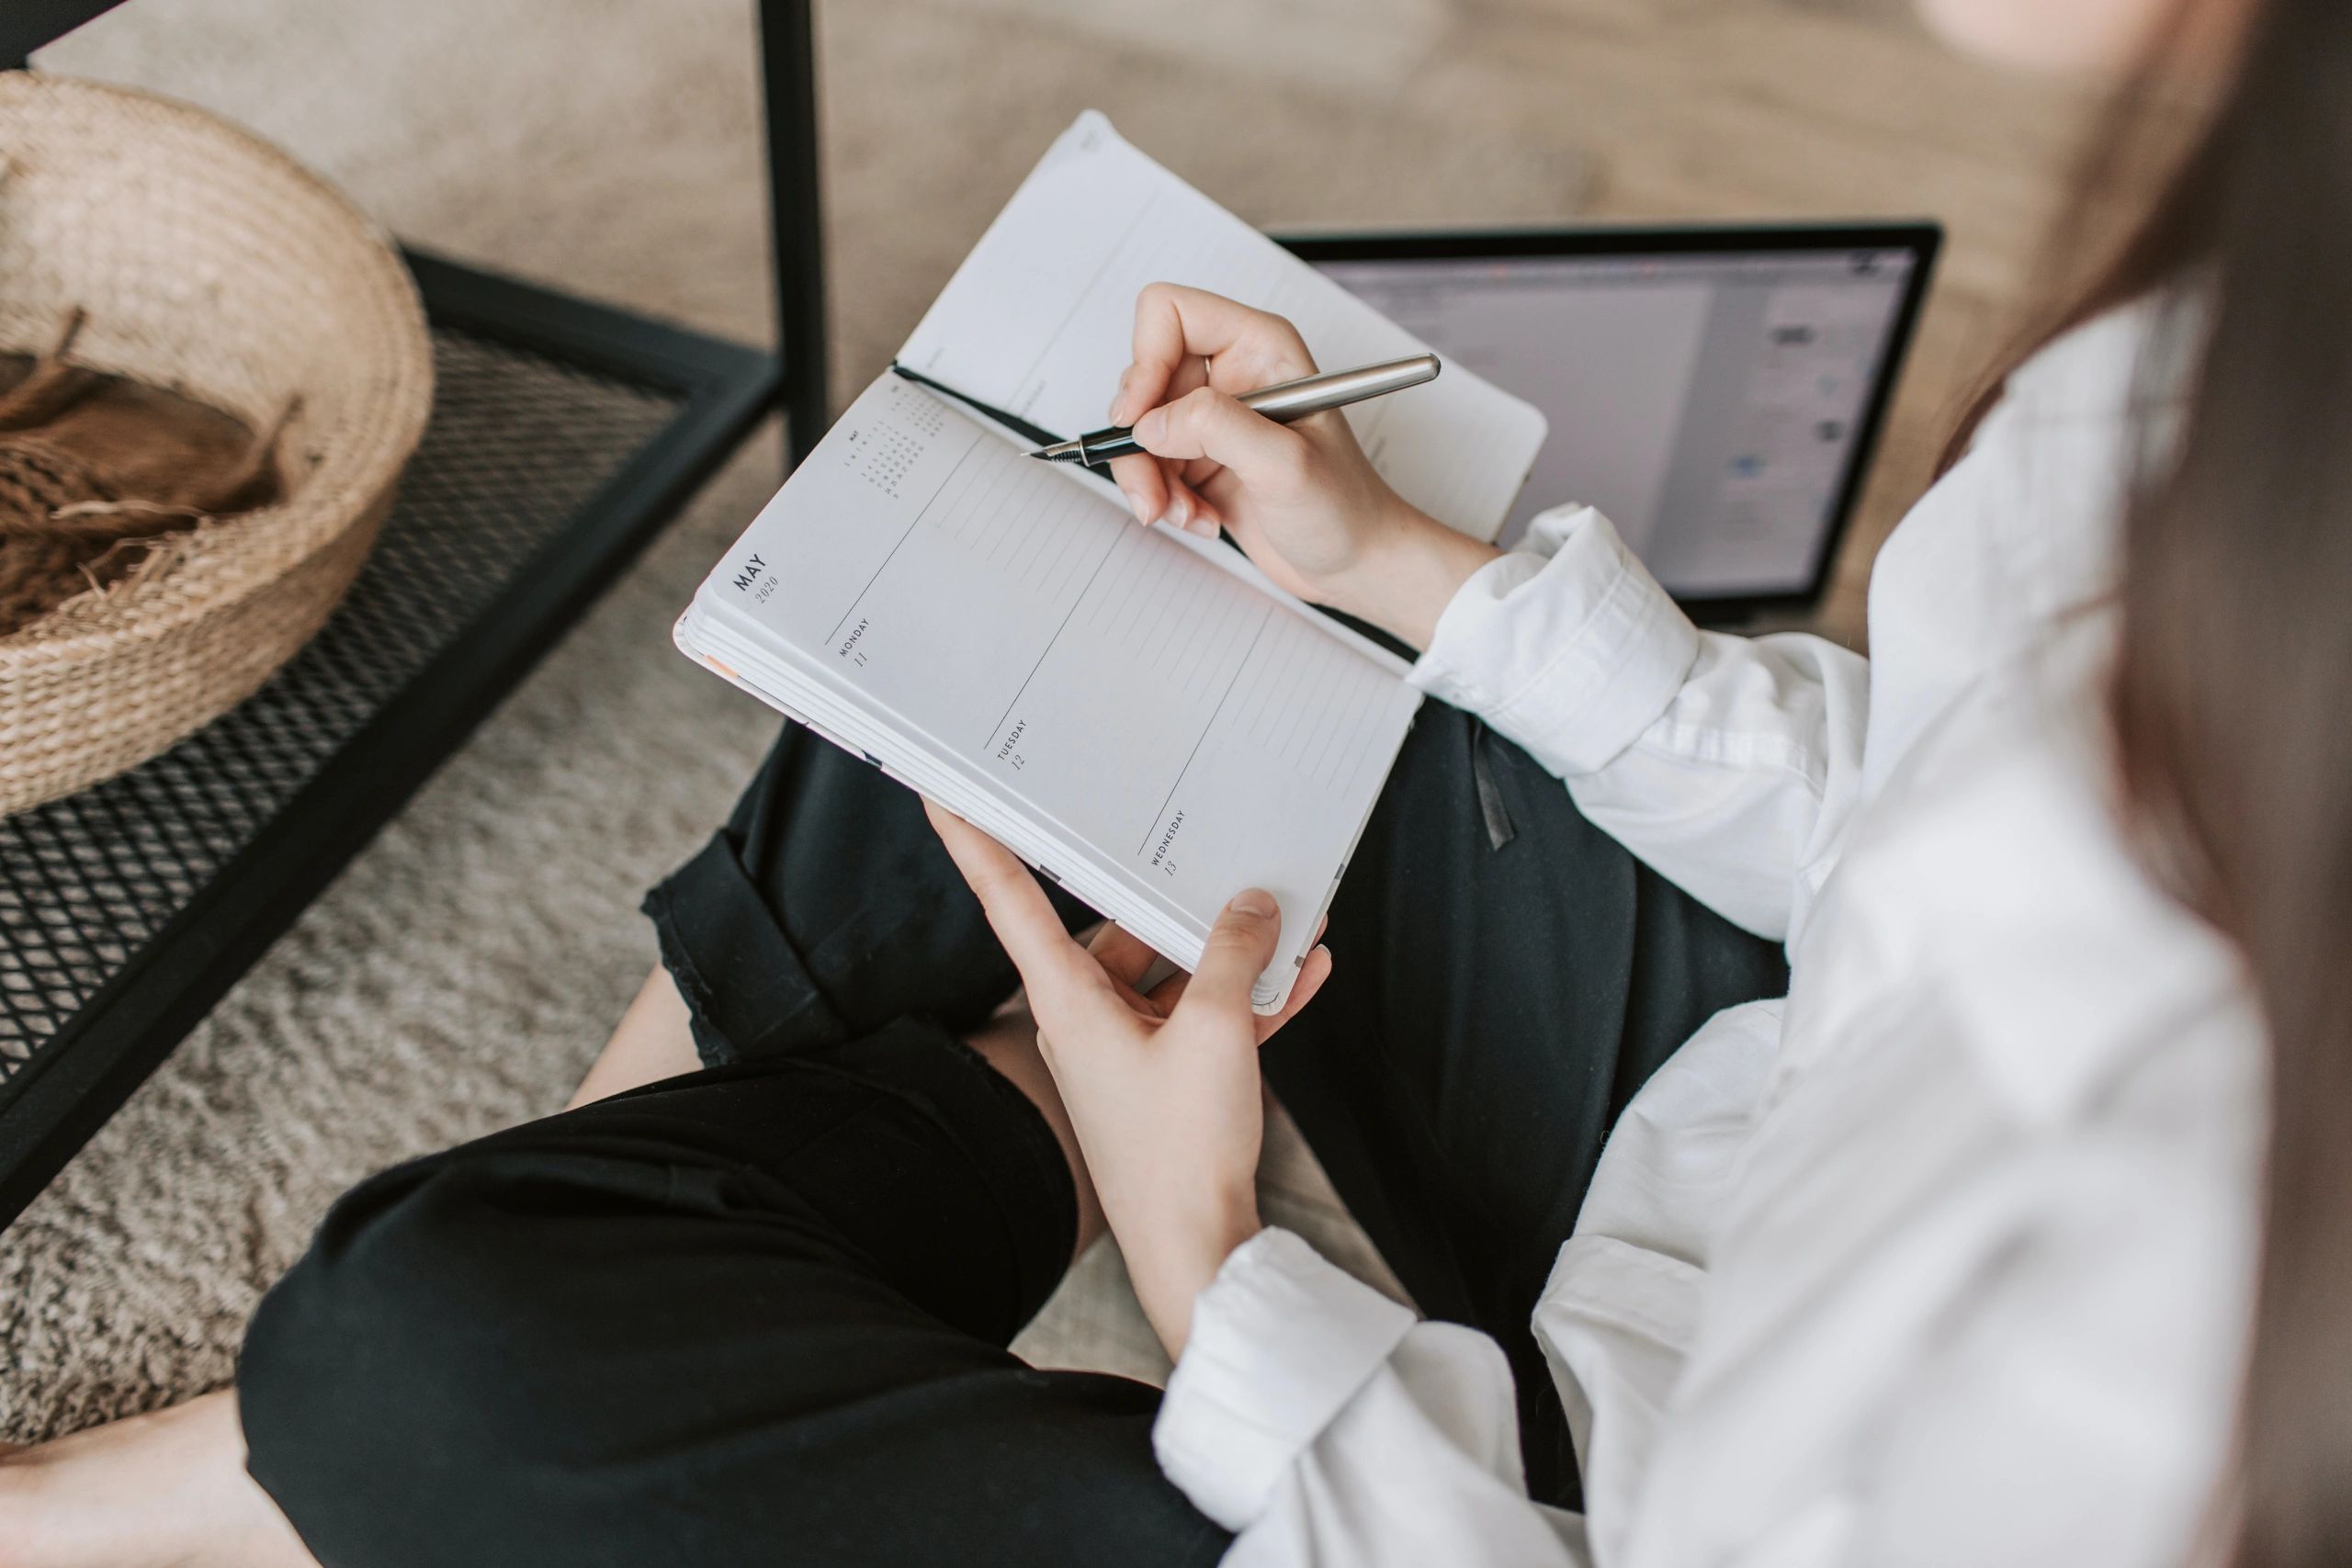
(562, 436)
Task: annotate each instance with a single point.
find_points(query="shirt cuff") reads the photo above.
(1281, 1342)
(1566, 645)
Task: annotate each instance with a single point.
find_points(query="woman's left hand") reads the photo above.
(1162, 1089)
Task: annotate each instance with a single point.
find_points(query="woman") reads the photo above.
(2015, 1232)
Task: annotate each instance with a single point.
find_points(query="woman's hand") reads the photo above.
(1162, 1089)
(1301, 499)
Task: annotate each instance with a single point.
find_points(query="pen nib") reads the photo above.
(1060, 452)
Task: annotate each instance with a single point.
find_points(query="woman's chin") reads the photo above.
(2107, 38)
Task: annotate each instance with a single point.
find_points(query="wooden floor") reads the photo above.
(1665, 110)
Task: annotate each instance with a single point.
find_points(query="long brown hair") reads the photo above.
(2230, 694)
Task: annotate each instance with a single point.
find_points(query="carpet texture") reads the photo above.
(461, 974)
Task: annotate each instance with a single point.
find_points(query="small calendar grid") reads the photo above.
(884, 452)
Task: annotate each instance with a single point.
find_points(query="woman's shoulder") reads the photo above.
(2121, 363)
(2026, 529)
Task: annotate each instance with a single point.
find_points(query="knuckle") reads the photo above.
(1196, 410)
(1283, 333)
(1242, 935)
(989, 881)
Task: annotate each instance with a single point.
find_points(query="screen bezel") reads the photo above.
(1923, 238)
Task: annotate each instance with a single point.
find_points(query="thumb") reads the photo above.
(1205, 423)
(1239, 947)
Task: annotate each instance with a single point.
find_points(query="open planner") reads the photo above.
(1138, 713)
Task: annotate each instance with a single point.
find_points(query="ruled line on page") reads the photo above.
(965, 456)
(1047, 652)
(1153, 825)
(1079, 303)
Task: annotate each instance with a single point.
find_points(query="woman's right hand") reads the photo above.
(1302, 500)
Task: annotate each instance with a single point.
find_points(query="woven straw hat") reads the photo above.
(208, 262)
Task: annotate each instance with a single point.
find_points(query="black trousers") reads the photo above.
(758, 1312)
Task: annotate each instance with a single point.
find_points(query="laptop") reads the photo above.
(1716, 391)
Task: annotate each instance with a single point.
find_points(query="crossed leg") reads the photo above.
(171, 1487)
(1498, 997)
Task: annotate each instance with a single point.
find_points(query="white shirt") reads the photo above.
(1944, 1258)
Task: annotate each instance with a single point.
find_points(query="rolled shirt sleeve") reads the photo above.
(1728, 763)
(1567, 646)
(1324, 1424)
(1281, 1340)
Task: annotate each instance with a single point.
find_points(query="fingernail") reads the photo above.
(1136, 504)
(1202, 526)
(1152, 427)
(1179, 511)
(1254, 901)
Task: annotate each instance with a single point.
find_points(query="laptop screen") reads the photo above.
(1713, 405)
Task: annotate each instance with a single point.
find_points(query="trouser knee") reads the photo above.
(408, 1361)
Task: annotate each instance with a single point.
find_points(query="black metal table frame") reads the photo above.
(133, 1021)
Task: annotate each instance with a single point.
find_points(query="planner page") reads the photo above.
(1039, 320)
(977, 618)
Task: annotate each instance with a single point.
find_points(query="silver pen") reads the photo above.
(1282, 402)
